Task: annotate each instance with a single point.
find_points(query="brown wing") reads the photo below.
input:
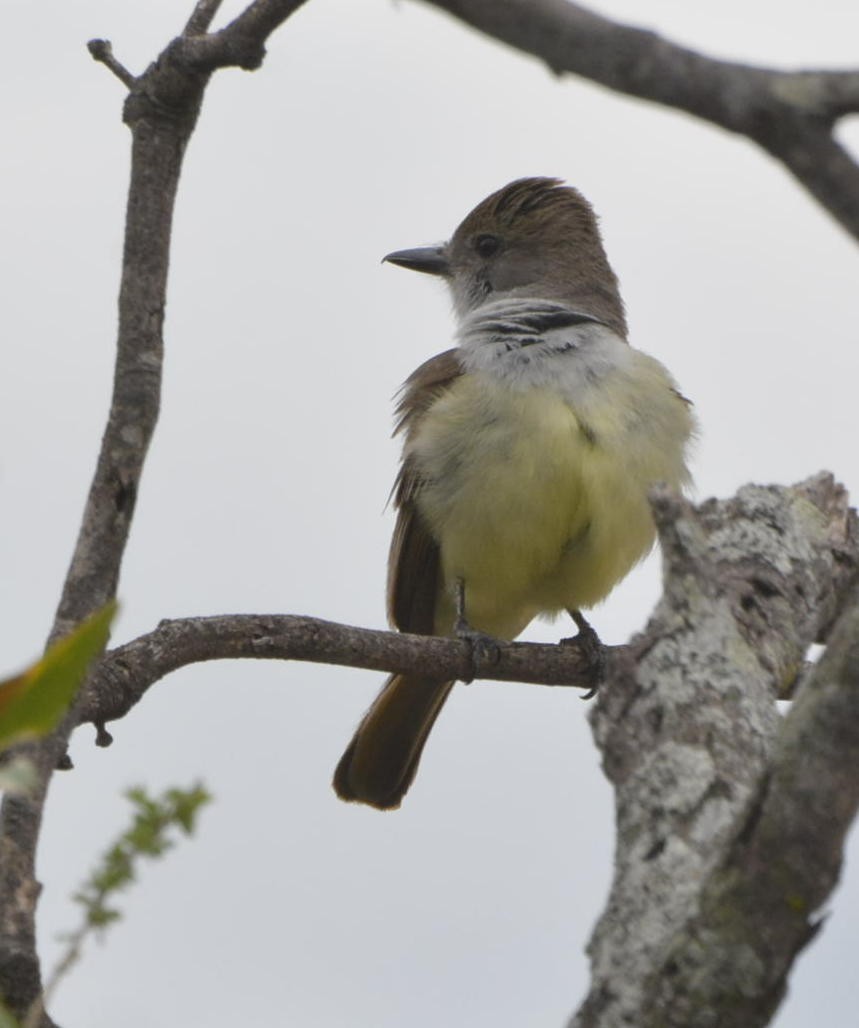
(380, 762)
(413, 564)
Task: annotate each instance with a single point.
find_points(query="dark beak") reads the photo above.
(432, 260)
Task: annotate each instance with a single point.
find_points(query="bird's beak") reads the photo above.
(432, 260)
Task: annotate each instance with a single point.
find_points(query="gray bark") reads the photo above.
(720, 869)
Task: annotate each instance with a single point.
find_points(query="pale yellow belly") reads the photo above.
(535, 509)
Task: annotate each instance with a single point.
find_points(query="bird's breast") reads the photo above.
(539, 502)
(502, 491)
(494, 459)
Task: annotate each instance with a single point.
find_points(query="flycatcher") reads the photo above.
(529, 452)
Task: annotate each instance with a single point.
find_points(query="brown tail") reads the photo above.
(382, 758)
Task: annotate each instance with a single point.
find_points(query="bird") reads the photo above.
(529, 450)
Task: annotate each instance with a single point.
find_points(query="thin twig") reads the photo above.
(102, 52)
(125, 673)
(201, 18)
(241, 43)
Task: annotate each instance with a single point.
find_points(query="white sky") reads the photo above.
(371, 126)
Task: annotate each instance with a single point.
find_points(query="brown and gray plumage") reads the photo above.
(528, 453)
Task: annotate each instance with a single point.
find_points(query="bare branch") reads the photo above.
(201, 17)
(241, 43)
(125, 673)
(262, 17)
(102, 51)
(161, 110)
(157, 148)
(826, 170)
(688, 723)
(761, 905)
(789, 114)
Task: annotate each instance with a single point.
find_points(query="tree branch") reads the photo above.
(102, 51)
(789, 114)
(762, 904)
(688, 728)
(124, 675)
(201, 17)
(240, 44)
(161, 111)
(159, 134)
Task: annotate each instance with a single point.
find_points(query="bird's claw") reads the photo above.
(590, 646)
(484, 649)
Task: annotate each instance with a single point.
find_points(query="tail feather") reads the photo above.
(381, 760)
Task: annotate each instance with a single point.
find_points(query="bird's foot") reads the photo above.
(485, 649)
(591, 648)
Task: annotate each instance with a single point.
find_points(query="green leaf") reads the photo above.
(32, 703)
(147, 836)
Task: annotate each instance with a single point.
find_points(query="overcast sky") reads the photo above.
(372, 126)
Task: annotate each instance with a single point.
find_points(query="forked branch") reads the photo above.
(791, 115)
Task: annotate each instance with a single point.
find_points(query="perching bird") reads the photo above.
(529, 451)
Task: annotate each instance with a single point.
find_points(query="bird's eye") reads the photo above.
(487, 245)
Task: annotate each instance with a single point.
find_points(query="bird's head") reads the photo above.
(534, 238)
